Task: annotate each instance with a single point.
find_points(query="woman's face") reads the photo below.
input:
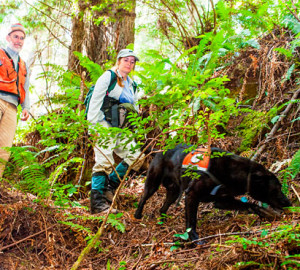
(126, 65)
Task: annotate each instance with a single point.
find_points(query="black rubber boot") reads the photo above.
(109, 193)
(114, 182)
(98, 202)
(100, 183)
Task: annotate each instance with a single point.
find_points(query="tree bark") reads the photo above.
(78, 37)
(115, 35)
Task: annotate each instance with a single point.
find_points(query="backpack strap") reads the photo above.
(111, 86)
(134, 85)
(113, 81)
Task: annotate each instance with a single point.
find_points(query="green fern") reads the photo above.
(113, 220)
(95, 71)
(292, 23)
(290, 172)
(32, 174)
(77, 227)
(294, 168)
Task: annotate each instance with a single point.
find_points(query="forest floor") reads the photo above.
(38, 235)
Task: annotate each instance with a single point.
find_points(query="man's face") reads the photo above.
(16, 40)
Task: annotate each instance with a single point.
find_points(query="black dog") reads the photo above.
(228, 175)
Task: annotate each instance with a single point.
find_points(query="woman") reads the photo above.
(107, 94)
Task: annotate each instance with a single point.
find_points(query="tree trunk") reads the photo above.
(98, 40)
(115, 35)
(77, 40)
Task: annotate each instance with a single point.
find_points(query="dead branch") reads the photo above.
(276, 126)
(26, 238)
(56, 37)
(295, 192)
(199, 16)
(294, 13)
(53, 20)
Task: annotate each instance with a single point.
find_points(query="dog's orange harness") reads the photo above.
(198, 158)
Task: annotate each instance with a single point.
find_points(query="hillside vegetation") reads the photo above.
(230, 79)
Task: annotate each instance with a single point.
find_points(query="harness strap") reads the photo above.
(212, 177)
(215, 190)
(115, 115)
(199, 160)
(192, 160)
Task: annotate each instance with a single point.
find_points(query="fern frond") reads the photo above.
(32, 174)
(294, 168)
(94, 69)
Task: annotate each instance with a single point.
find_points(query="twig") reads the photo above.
(174, 260)
(294, 13)
(54, 8)
(295, 192)
(100, 231)
(141, 252)
(48, 16)
(56, 37)
(26, 238)
(212, 236)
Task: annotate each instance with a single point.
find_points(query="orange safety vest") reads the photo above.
(12, 81)
(197, 159)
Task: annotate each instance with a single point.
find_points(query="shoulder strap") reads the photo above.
(88, 96)
(134, 85)
(7, 54)
(111, 86)
(113, 81)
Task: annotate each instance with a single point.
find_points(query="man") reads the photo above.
(14, 89)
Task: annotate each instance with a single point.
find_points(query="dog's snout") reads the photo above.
(280, 202)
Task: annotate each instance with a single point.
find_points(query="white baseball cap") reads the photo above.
(126, 53)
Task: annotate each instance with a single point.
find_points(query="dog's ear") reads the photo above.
(266, 187)
(259, 184)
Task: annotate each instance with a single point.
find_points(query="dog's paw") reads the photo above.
(194, 237)
(137, 216)
(199, 242)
